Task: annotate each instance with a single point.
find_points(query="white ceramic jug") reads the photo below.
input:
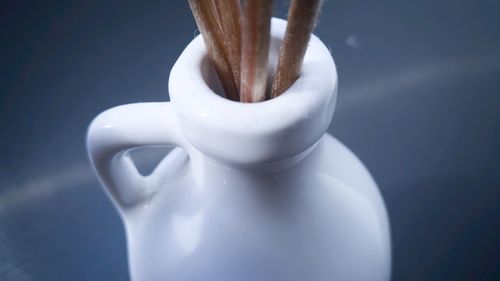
(253, 191)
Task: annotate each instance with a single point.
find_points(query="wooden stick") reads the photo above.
(205, 13)
(229, 16)
(302, 16)
(255, 29)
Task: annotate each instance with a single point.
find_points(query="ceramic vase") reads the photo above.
(252, 191)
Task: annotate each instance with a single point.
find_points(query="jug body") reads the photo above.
(320, 219)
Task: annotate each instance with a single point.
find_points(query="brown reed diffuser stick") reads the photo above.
(302, 16)
(255, 29)
(205, 14)
(229, 16)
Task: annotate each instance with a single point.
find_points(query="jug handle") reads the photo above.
(116, 131)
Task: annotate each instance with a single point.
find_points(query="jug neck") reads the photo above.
(208, 171)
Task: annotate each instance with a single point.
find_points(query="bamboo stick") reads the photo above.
(302, 16)
(255, 29)
(229, 16)
(205, 14)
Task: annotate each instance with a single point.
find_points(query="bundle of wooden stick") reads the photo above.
(237, 41)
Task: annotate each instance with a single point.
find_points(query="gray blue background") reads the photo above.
(419, 103)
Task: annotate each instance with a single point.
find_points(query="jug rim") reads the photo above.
(220, 127)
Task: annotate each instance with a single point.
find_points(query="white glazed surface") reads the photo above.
(259, 192)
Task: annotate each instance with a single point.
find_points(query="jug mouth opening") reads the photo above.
(265, 131)
(212, 80)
